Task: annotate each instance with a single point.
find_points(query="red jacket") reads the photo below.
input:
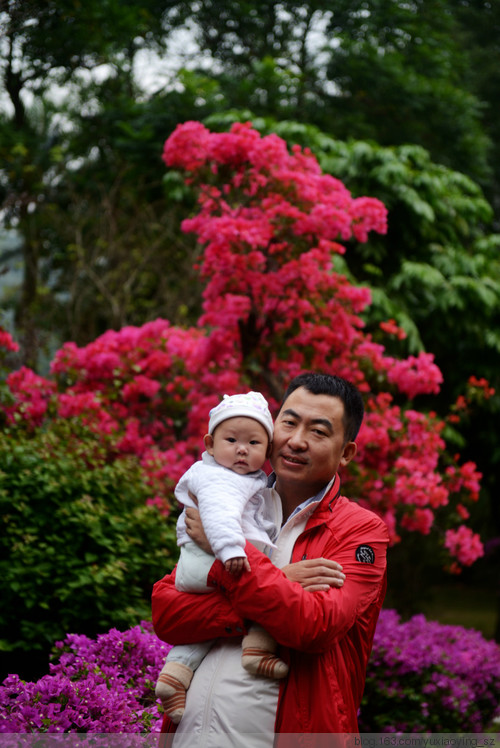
(326, 637)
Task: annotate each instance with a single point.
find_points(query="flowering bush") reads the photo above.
(427, 677)
(106, 685)
(6, 341)
(422, 676)
(270, 224)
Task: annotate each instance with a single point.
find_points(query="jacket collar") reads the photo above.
(325, 508)
(319, 506)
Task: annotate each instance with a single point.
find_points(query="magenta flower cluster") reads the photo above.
(422, 677)
(97, 686)
(425, 676)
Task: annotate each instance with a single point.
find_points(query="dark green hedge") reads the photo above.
(79, 548)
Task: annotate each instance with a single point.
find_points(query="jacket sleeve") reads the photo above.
(185, 618)
(312, 622)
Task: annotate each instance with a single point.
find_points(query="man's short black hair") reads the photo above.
(329, 384)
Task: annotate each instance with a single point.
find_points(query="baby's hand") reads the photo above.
(236, 565)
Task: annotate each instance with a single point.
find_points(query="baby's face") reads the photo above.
(240, 444)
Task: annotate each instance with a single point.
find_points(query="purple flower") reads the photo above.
(106, 685)
(435, 677)
(422, 677)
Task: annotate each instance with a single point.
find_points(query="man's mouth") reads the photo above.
(292, 459)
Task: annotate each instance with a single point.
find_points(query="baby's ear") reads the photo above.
(208, 441)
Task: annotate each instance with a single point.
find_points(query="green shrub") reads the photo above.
(79, 547)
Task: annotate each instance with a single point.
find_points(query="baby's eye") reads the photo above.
(231, 439)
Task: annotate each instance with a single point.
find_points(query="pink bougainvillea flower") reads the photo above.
(271, 227)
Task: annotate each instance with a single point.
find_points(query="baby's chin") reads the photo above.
(242, 469)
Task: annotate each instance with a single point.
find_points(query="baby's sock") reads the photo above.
(258, 657)
(171, 688)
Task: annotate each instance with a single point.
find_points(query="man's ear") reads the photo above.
(269, 449)
(348, 454)
(208, 441)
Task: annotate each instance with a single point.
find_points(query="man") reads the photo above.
(321, 605)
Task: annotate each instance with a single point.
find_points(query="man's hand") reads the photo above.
(237, 564)
(194, 528)
(315, 574)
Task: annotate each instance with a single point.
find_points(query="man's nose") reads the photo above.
(297, 440)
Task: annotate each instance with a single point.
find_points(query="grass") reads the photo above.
(459, 604)
(417, 584)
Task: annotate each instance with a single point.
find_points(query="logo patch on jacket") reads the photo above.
(365, 554)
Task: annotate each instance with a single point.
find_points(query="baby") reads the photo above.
(230, 488)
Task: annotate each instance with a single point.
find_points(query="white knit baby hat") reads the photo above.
(252, 405)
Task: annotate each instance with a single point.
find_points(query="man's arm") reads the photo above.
(313, 574)
(177, 615)
(185, 618)
(300, 619)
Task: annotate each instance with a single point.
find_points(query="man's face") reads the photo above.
(308, 445)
